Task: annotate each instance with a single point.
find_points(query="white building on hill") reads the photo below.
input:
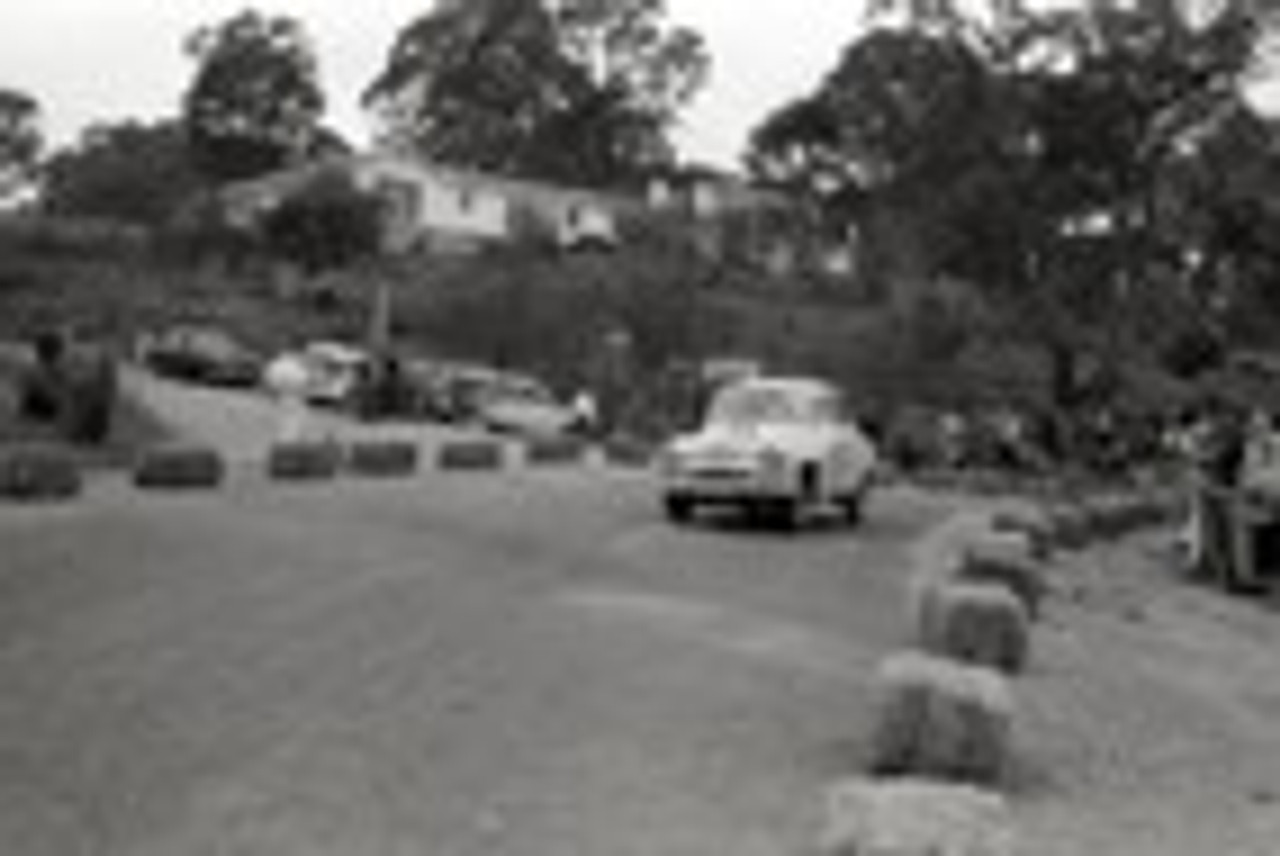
(446, 209)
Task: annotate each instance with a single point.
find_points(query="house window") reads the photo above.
(573, 216)
(466, 200)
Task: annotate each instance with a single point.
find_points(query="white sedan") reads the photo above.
(774, 447)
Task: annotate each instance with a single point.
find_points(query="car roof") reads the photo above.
(803, 386)
(337, 351)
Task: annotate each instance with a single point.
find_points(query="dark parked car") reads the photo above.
(204, 355)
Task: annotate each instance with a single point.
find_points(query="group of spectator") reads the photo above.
(70, 384)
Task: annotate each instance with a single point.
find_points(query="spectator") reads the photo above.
(287, 378)
(586, 414)
(91, 395)
(43, 384)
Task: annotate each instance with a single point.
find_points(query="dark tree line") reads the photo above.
(1097, 171)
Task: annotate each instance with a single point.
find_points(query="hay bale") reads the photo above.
(1070, 527)
(35, 472)
(470, 455)
(1006, 563)
(941, 719)
(383, 458)
(907, 817)
(1033, 525)
(179, 467)
(982, 623)
(554, 451)
(304, 460)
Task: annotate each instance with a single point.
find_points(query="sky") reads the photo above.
(107, 60)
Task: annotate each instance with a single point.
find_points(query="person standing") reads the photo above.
(288, 378)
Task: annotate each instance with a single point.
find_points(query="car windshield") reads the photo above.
(760, 404)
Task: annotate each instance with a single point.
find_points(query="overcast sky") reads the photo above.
(92, 60)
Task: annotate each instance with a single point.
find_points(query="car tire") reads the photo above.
(851, 508)
(678, 508)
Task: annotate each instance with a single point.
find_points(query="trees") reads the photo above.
(580, 91)
(131, 171)
(328, 223)
(1038, 153)
(20, 138)
(255, 101)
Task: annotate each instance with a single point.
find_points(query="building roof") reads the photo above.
(284, 182)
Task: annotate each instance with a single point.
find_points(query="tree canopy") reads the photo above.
(255, 102)
(578, 91)
(1062, 159)
(130, 171)
(328, 223)
(20, 137)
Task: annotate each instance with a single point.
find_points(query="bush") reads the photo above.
(470, 455)
(554, 450)
(304, 460)
(915, 818)
(179, 467)
(383, 458)
(942, 720)
(36, 472)
(980, 623)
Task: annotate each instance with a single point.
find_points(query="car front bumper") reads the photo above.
(727, 486)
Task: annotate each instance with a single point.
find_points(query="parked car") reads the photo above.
(203, 354)
(774, 447)
(335, 370)
(518, 405)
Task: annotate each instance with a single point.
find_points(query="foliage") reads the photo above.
(1066, 160)
(20, 137)
(582, 92)
(329, 223)
(255, 101)
(129, 172)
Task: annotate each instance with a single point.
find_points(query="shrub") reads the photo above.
(980, 623)
(470, 455)
(907, 817)
(179, 467)
(554, 450)
(383, 458)
(941, 719)
(304, 460)
(37, 472)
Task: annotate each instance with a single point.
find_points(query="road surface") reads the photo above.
(511, 664)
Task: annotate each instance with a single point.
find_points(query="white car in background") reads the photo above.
(334, 370)
(524, 407)
(774, 447)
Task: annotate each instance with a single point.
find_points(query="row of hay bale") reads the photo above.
(1078, 524)
(941, 751)
(49, 472)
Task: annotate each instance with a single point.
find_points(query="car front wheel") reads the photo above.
(851, 508)
(679, 508)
